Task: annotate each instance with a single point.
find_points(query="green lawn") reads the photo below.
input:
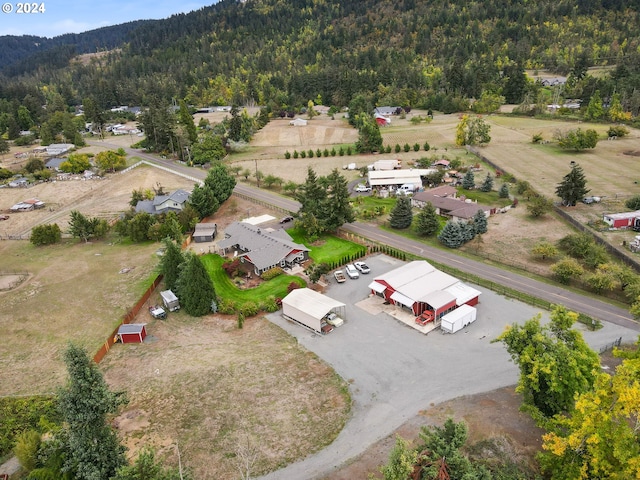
(486, 198)
(327, 249)
(226, 289)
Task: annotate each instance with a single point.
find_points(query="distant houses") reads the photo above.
(173, 202)
(446, 203)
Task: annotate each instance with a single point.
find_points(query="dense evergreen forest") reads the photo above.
(283, 53)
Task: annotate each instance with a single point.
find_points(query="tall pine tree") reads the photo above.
(94, 452)
(427, 223)
(170, 263)
(451, 235)
(195, 287)
(573, 187)
(401, 215)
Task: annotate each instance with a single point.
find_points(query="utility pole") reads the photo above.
(257, 175)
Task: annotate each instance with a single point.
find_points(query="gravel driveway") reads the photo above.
(395, 371)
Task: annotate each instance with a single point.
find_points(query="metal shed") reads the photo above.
(132, 332)
(205, 232)
(309, 308)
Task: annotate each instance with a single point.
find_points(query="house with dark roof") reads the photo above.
(447, 204)
(174, 202)
(264, 248)
(54, 163)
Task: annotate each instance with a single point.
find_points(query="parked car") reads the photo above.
(339, 275)
(352, 272)
(362, 188)
(326, 328)
(286, 219)
(362, 267)
(334, 319)
(157, 311)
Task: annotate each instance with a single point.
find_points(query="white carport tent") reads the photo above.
(309, 307)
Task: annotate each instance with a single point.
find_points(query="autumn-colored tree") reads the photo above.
(599, 438)
(555, 363)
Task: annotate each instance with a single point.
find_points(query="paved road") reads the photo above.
(393, 371)
(583, 303)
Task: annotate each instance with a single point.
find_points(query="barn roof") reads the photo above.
(129, 328)
(420, 281)
(311, 302)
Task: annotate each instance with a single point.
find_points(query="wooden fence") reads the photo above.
(127, 318)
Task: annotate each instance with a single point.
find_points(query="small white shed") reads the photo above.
(309, 308)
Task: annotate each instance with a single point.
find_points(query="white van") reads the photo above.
(406, 189)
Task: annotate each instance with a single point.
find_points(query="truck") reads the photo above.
(157, 311)
(425, 318)
(458, 319)
(352, 271)
(170, 300)
(340, 277)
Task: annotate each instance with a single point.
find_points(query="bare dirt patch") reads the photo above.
(512, 235)
(206, 386)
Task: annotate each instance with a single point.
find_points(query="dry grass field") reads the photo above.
(203, 384)
(217, 391)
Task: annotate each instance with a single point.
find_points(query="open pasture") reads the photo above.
(609, 168)
(75, 292)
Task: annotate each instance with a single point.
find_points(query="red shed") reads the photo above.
(132, 332)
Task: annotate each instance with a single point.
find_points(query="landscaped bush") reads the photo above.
(292, 286)
(270, 305)
(226, 306)
(232, 267)
(249, 309)
(272, 273)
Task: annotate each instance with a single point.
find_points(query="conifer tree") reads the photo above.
(487, 184)
(504, 191)
(94, 452)
(451, 235)
(427, 221)
(401, 215)
(220, 182)
(573, 187)
(194, 287)
(480, 222)
(170, 263)
(468, 181)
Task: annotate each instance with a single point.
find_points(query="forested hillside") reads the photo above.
(27, 53)
(284, 53)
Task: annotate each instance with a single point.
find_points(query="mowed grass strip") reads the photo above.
(226, 289)
(327, 248)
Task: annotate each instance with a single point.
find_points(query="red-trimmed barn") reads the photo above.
(132, 332)
(419, 287)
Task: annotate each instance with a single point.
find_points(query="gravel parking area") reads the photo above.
(395, 371)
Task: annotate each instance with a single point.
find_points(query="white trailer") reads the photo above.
(458, 319)
(170, 300)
